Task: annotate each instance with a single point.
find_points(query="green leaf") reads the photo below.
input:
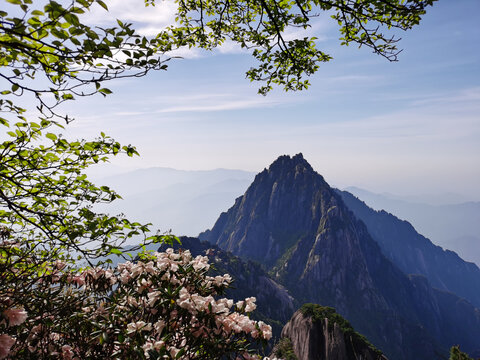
(102, 4)
(116, 251)
(51, 136)
(4, 122)
(105, 91)
(180, 353)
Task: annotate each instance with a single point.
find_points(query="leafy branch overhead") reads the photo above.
(66, 58)
(51, 51)
(45, 195)
(261, 24)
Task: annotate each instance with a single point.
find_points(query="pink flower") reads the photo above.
(125, 277)
(266, 330)
(159, 325)
(240, 304)
(6, 342)
(200, 263)
(78, 280)
(250, 304)
(174, 351)
(67, 353)
(60, 264)
(15, 316)
(139, 325)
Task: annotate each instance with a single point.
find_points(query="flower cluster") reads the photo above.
(162, 306)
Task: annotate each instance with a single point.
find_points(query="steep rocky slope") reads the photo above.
(415, 254)
(319, 333)
(291, 221)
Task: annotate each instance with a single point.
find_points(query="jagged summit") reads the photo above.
(281, 200)
(286, 163)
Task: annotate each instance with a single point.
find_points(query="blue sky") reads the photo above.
(408, 127)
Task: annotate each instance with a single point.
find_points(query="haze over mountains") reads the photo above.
(188, 202)
(415, 254)
(291, 239)
(450, 221)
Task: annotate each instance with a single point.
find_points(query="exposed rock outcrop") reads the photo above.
(318, 333)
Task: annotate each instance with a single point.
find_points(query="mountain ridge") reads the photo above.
(415, 254)
(453, 226)
(310, 242)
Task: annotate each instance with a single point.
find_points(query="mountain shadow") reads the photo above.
(415, 254)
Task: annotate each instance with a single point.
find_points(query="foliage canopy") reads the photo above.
(457, 354)
(74, 59)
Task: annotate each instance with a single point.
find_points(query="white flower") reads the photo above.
(159, 325)
(250, 304)
(139, 325)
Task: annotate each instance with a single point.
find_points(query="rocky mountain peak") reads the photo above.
(286, 166)
(318, 333)
(284, 201)
(287, 163)
(302, 233)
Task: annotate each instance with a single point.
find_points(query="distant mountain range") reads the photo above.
(415, 254)
(188, 202)
(297, 226)
(454, 226)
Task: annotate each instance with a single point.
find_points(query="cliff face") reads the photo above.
(291, 221)
(265, 212)
(415, 254)
(326, 336)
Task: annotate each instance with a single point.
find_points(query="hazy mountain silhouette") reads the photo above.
(415, 254)
(181, 201)
(454, 226)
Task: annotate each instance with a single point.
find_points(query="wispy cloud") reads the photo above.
(226, 105)
(319, 27)
(447, 117)
(151, 19)
(461, 96)
(212, 102)
(354, 78)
